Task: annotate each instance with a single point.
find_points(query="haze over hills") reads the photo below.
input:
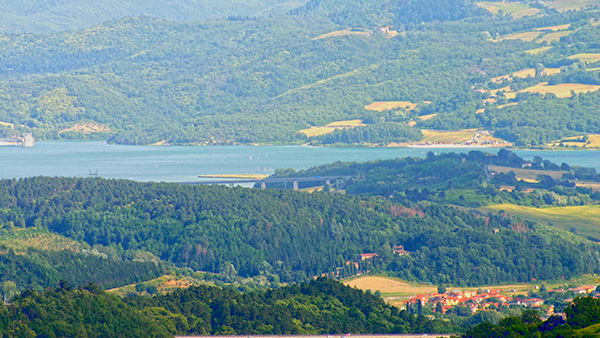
(143, 80)
(30, 16)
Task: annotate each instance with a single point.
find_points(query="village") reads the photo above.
(497, 299)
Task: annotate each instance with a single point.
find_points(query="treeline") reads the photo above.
(375, 133)
(239, 232)
(319, 307)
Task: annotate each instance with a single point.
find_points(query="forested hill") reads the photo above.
(39, 16)
(143, 80)
(291, 236)
(320, 307)
(374, 13)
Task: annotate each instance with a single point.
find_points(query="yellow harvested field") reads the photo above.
(586, 57)
(554, 28)
(530, 174)
(427, 117)
(503, 89)
(387, 105)
(553, 36)
(527, 36)
(12, 126)
(387, 285)
(551, 71)
(343, 33)
(510, 95)
(317, 131)
(594, 142)
(562, 90)
(164, 284)
(538, 50)
(566, 5)
(525, 73)
(313, 189)
(348, 123)
(447, 136)
(331, 127)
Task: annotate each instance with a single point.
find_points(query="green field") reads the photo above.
(516, 10)
(583, 218)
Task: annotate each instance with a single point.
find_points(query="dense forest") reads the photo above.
(320, 307)
(288, 235)
(142, 80)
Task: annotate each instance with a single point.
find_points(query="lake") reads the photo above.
(185, 163)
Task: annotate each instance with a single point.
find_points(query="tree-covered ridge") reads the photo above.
(258, 81)
(291, 235)
(463, 179)
(319, 307)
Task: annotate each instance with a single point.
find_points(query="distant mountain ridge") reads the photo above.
(32, 16)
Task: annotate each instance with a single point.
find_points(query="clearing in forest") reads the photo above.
(566, 5)
(526, 36)
(538, 50)
(563, 90)
(12, 126)
(523, 74)
(583, 218)
(516, 10)
(554, 28)
(164, 284)
(331, 127)
(21, 239)
(586, 57)
(388, 105)
(343, 33)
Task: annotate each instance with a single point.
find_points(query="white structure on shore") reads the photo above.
(28, 140)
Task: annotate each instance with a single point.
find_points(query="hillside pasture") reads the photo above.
(390, 286)
(447, 136)
(555, 36)
(584, 218)
(563, 90)
(554, 28)
(164, 284)
(516, 10)
(586, 57)
(344, 32)
(388, 105)
(331, 127)
(526, 36)
(538, 50)
(567, 5)
(525, 73)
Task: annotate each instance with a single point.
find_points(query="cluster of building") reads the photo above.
(490, 299)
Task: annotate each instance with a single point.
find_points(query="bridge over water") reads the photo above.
(263, 182)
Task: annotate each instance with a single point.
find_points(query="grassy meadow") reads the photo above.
(567, 5)
(563, 90)
(22, 239)
(447, 136)
(584, 218)
(586, 57)
(331, 127)
(516, 10)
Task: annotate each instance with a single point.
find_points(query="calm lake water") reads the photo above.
(183, 164)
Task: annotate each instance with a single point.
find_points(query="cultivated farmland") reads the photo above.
(562, 90)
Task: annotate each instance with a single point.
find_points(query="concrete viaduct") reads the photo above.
(263, 182)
